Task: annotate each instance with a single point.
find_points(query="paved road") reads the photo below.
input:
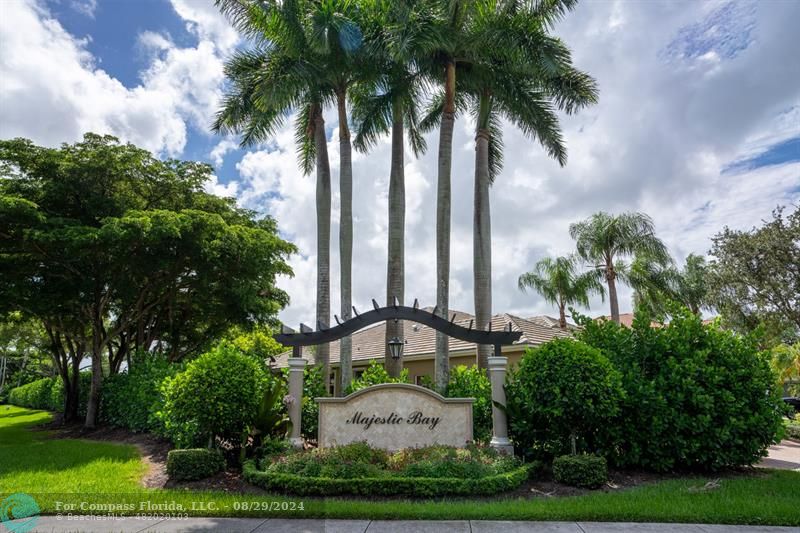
(50, 524)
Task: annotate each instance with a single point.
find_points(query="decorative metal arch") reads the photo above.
(308, 337)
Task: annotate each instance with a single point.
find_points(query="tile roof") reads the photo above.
(370, 342)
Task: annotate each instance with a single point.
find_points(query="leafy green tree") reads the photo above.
(786, 364)
(518, 72)
(559, 283)
(256, 342)
(754, 277)
(114, 251)
(604, 241)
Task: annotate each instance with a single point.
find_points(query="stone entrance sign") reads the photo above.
(394, 416)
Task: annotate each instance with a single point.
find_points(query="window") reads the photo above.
(332, 384)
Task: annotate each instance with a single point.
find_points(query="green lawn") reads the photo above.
(74, 471)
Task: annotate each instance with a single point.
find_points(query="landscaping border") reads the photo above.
(389, 486)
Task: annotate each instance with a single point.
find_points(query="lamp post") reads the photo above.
(395, 347)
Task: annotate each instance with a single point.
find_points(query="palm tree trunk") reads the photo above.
(562, 316)
(323, 239)
(442, 362)
(482, 231)
(397, 216)
(345, 238)
(611, 278)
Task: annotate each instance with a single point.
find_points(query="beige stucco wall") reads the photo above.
(418, 367)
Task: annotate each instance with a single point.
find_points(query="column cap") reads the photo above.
(497, 361)
(297, 363)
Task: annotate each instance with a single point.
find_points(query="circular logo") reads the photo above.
(22, 509)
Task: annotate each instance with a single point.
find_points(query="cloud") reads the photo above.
(84, 7)
(52, 90)
(217, 153)
(664, 129)
(686, 90)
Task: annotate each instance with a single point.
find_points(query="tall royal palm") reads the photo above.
(605, 241)
(337, 36)
(560, 283)
(390, 103)
(520, 73)
(290, 69)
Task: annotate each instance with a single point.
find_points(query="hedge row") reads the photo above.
(388, 486)
(48, 394)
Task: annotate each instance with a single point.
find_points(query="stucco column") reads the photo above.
(296, 367)
(497, 377)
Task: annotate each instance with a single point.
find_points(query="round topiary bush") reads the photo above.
(585, 470)
(562, 390)
(217, 395)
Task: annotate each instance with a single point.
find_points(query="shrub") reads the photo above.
(375, 374)
(561, 390)
(217, 396)
(197, 463)
(37, 395)
(792, 430)
(697, 396)
(359, 469)
(132, 399)
(589, 471)
(472, 382)
(48, 394)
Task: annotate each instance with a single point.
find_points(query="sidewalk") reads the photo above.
(785, 456)
(51, 524)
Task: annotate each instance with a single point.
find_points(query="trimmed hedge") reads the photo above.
(589, 471)
(387, 486)
(131, 399)
(48, 394)
(196, 463)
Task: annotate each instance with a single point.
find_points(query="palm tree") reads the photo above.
(518, 72)
(604, 241)
(295, 66)
(655, 284)
(336, 35)
(691, 288)
(559, 283)
(391, 104)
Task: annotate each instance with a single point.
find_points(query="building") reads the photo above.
(369, 344)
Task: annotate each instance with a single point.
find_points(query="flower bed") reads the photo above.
(359, 469)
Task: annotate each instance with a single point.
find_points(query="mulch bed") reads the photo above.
(154, 454)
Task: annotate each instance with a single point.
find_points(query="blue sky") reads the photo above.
(698, 124)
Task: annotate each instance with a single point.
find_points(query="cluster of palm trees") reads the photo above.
(403, 68)
(618, 248)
